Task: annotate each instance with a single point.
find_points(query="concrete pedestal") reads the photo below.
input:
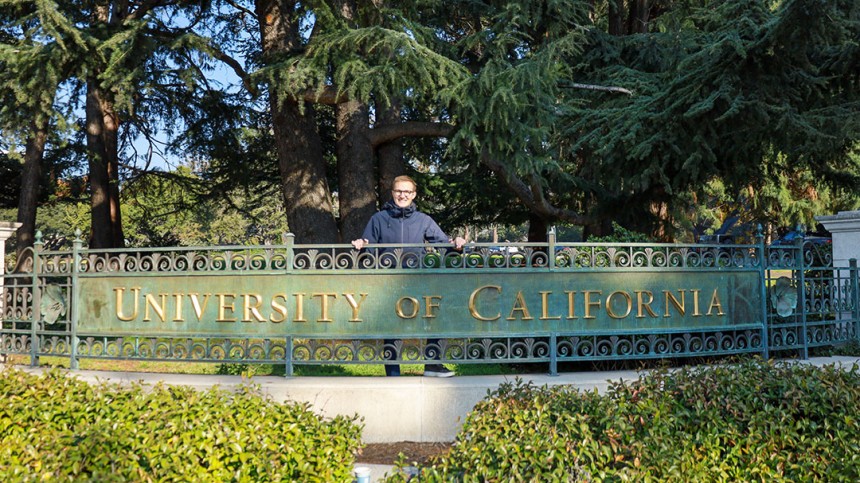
(845, 228)
(7, 229)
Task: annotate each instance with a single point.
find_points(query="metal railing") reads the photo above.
(528, 302)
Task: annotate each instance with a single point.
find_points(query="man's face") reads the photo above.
(403, 193)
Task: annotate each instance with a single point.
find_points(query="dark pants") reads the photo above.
(390, 354)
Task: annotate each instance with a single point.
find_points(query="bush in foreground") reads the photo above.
(57, 428)
(755, 421)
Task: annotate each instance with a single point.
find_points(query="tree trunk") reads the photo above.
(616, 17)
(28, 201)
(390, 154)
(111, 145)
(300, 158)
(101, 235)
(356, 174)
(103, 148)
(639, 10)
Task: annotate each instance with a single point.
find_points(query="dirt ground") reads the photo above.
(386, 453)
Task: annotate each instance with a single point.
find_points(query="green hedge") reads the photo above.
(57, 428)
(753, 421)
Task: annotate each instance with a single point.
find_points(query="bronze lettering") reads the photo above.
(589, 303)
(641, 304)
(715, 302)
(177, 314)
(680, 305)
(120, 313)
(611, 311)
(474, 310)
(520, 306)
(571, 304)
(195, 304)
(429, 305)
(695, 292)
(398, 308)
(300, 307)
(278, 309)
(223, 306)
(156, 307)
(544, 302)
(356, 306)
(324, 317)
(254, 309)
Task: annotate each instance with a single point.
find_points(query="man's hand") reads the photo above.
(458, 242)
(360, 243)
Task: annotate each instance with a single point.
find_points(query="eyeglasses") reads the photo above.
(402, 192)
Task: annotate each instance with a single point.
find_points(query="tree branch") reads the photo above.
(328, 95)
(237, 68)
(533, 197)
(146, 6)
(389, 132)
(592, 87)
(242, 9)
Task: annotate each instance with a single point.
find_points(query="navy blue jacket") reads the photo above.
(403, 225)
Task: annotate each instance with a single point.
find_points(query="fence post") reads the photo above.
(553, 355)
(855, 297)
(550, 236)
(36, 316)
(74, 298)
(763, 271)
(801, 289)
(289, 240)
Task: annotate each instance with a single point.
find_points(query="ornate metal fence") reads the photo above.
(531, 302)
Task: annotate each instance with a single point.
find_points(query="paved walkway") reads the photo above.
(419, 409)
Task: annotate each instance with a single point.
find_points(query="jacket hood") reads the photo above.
(398, 212)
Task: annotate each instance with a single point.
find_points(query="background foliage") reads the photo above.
(253, 118)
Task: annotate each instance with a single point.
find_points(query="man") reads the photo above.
(400, 222)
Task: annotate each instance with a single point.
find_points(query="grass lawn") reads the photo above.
(367, 370)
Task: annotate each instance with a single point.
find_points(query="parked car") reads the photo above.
(814, 238)
(817, 246)
(724, 235)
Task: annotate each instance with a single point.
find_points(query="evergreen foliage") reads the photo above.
(550, 104)
(739, 92)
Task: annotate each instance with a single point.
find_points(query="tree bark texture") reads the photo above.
(300, 159)
(638, 18)
(355, 165)
(389, 154)
(27, 202)
(616, 17)
(102, 124)
(102, 145)
(629, 16)
(99, 180)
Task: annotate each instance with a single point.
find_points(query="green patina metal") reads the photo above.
(435, 304)
(323, 304)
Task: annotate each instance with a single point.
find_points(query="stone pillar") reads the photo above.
(7, 229)
(845, 228)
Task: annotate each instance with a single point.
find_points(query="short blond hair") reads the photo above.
(403, 177)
